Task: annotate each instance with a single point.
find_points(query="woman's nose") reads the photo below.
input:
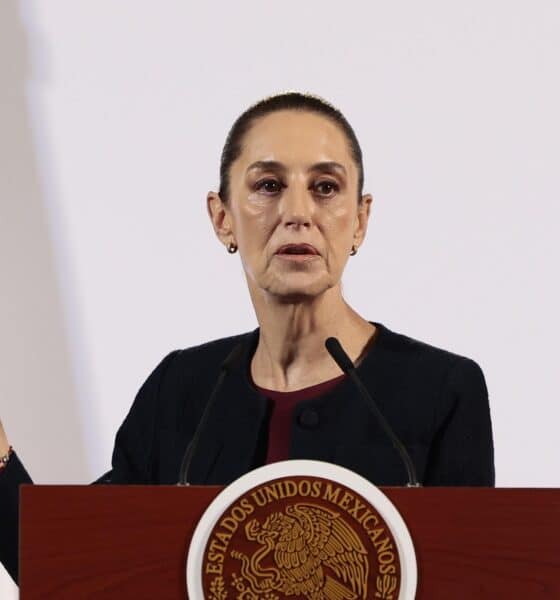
(296, 207)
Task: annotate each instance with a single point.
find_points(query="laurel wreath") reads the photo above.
(386, 586)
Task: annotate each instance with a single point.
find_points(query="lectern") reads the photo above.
(107, 541)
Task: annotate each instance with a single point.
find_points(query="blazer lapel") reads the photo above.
(228, 446)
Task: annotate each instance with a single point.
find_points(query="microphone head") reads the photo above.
(340, 357)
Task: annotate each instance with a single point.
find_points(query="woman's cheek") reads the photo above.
(337, 224)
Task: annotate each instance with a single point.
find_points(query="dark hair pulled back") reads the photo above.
(284, 101)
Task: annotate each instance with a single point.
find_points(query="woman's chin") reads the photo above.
(289, 287)
(298, 291)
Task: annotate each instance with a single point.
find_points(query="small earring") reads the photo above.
(232, 247)
(354, 250)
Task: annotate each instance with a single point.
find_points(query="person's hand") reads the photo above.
(4, 446)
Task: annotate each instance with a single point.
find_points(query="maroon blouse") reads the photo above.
(283, 404)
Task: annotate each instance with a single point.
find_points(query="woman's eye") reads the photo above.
(273, 186)
(269, 185)
(327, 187)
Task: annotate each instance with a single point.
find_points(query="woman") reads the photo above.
(291, 203)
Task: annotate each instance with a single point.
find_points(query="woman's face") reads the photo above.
(293, 209)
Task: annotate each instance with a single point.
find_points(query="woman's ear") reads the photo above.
(362, 218)
(220, 217)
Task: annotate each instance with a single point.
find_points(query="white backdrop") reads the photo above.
(112, 121)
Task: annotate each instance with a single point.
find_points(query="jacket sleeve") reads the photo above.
(133, 451)
(11, 477)
(462, 449)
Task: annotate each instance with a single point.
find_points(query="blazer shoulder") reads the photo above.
(407, 347)
(184, 368)
(213, 348)
(209, 354)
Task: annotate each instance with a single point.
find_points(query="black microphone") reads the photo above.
(343, 361)
(232, 359)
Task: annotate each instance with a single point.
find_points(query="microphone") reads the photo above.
(230, 361)
(343, 361)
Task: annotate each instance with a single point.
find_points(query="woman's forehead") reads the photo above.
(295, 138)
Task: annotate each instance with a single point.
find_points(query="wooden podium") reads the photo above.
(107, 541)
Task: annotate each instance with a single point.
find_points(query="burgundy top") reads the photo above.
(283, 404)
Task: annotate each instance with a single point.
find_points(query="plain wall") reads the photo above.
(113, 117)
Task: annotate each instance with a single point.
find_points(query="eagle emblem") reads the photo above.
(307, 551)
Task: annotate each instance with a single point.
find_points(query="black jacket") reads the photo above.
(436, 402)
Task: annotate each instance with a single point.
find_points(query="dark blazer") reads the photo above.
(436, 402)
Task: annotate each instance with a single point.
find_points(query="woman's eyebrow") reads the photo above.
(273, 165)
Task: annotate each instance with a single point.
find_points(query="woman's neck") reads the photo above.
(291, 352)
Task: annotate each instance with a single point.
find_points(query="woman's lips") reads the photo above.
(297, 252)
(297, 257)
(297, 249)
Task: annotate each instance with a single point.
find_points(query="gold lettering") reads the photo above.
(345, 501)
(214, 568)
(249, 508)
(364, 516)
(215, 557)
(357, 507)
(259, 498)
(291, 488)
(271, 493)
(374, 534)
(386, 557)
(238, 513)
(216, 547)
(384, 545)
(304, 487)
(330, 494)
(366, 519)
(224, 538)
(387, 569)
(316, 489)
(280, 487)
(229, 524)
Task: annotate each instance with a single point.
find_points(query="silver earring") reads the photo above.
(354, 250)
(232, 247)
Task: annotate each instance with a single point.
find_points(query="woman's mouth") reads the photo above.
(297, 252)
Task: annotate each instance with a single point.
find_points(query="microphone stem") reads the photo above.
(189, 453)
(398, 445)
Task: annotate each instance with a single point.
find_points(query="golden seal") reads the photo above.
(301, 529)
(300, 537)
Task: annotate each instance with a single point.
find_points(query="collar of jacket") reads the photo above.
(236, 435)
